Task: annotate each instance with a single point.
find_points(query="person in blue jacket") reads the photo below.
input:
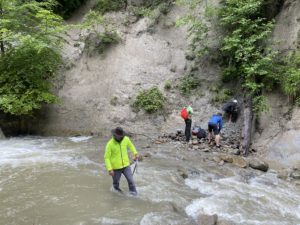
(215, 125)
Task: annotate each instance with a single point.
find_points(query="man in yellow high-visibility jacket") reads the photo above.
(117, 160)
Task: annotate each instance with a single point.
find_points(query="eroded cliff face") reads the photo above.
(98, 91)
(277, 135)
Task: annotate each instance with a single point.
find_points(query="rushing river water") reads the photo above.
(62, 181)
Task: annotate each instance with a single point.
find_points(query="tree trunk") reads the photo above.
(247, 128)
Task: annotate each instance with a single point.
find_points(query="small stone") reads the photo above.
(295, 174)
(221, 163)
(227, 158)
(207, 219)
(147, 155)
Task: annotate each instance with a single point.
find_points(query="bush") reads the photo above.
(188, 83)
(104, 6)
(25, 72)
(168, 85)
(222, 95)
(151, 100)
(291, 78)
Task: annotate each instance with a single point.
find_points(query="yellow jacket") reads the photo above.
(116, 155)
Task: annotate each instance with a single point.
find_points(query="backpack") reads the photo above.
(201, 133)
(184, 113)
(195, 130)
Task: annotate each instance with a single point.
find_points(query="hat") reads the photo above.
(118, 132)
(235, 101)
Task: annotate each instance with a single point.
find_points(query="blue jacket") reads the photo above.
(216, 120)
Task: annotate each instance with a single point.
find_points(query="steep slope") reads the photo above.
(278, 131)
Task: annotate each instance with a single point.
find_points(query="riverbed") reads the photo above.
(62, 181)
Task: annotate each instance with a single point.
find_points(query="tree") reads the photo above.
(29, 42)
(246, 56)
(29, 18)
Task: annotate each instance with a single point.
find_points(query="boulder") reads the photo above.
(239, 161)
(296, 174)
(283, 174)
(182, 173)
(204, 219)
(259, 165)
(147, 155)
(227, 158)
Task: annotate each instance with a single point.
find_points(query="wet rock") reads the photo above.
(224, 223)
(203, 219)
(217, 159)
(221, 163)
(259, 165)
(283, 174)
(206, 150)
(147, 155)
(172, 136)
(182, 173)
(194, 142)
(226, 158)
(295, 174)
(239, 161)
(235, 151)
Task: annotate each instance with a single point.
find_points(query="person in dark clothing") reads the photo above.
(215, 125)
(188, 125)
(231, 110)
(188, 111)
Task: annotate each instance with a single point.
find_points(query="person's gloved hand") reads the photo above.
(136, 157)
(111, 173)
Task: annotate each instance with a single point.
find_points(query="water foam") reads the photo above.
(80, 138)
(264, 198)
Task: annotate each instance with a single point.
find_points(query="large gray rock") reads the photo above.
(259, 165)
(295, 174)
(204, 219)
(239, 161)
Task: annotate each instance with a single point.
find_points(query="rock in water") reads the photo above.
(207, 219)
(259, 165)
(239, 161)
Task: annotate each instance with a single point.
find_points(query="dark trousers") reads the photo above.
(128, 175)
(188, 125)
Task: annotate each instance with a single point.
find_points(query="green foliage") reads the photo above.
(29, 18)
(30, 39)
(244, 47)
(25, 71)
(259, 104)
(291, 75)
(188, 83)
(199, 25)
(221, 95)
(168, 85)
(141, 11)
(99, 40)
(104, 6)
(151, 100)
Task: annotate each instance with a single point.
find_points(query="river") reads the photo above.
(62, 181)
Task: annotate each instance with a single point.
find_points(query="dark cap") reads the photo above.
(118, 132)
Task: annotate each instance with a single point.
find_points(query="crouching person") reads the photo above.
(215, 126)
(117, 161)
